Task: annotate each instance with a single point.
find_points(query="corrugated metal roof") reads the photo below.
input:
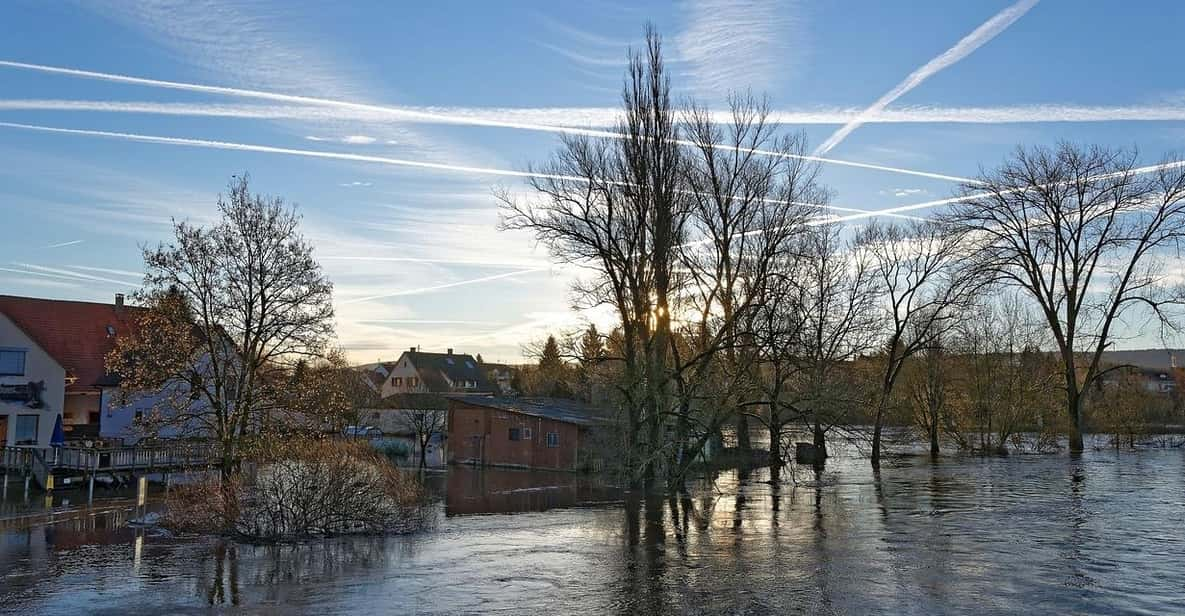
(568, 411)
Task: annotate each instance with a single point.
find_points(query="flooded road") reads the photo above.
(1101, 534)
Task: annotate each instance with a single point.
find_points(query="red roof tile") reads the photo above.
(74, 333)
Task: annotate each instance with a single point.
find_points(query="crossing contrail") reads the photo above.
(418, 115)
(984, 33)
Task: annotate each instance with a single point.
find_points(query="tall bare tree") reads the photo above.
(747, 207)
(614, 206)
(234, 311)
(1087, 236)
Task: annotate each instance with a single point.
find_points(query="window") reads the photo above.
(26, 429)
(397, 381)
(553, 439)
(412, 381)
(526, 434)
(12, 362)
(515, 434)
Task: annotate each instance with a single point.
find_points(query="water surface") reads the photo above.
(1101, 534)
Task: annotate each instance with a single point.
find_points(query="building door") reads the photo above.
(3, 430)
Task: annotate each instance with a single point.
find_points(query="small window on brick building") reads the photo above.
(515, 434)
(526, 434)
(553, 439)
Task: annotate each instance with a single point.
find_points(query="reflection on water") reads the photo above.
(1101, 534)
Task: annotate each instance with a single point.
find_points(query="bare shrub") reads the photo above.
(304, 488)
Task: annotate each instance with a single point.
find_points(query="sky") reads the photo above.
(392, 125)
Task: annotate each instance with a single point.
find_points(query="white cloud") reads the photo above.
(358, 140)
(968, 44)
(734, 45)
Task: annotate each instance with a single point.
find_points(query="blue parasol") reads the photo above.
(59, 438)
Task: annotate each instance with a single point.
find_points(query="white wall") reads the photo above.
(403, 369)
(39, 366)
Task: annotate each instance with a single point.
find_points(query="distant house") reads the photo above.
(1156, 369)
(417, 372)
(376, 374)
(539, 433)
(501, 376)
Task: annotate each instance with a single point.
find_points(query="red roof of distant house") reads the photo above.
(78, 335)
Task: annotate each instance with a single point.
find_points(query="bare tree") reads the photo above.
(1086, 234)
(1002, 380)
(923, 293)
(928, 385)
(822, 317)
(423, 424)
(614, 206)
(232, 311)
(746, 209)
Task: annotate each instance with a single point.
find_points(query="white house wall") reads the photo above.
(403, 369)
(39, 366)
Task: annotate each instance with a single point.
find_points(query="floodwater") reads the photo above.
(1104, 534)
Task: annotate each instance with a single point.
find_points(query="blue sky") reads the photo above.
(414, 251)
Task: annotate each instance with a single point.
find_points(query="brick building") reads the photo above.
(540, 433)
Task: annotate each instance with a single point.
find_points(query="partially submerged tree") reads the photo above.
(820, 317)
(237, 314)
(1087, 236)
(613, 206)
(423, 425)
(923, 292)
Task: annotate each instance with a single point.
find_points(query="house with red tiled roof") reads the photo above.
(53, 368)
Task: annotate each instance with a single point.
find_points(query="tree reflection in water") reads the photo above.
(1096, 534)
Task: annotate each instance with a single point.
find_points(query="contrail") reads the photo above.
(604, 117)
(984, 33)
(411, 114)
(29, 267)
(1177, 164)
(64, 244)
(248, 147)
(445, 286)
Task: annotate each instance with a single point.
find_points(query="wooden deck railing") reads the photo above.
(186, 455)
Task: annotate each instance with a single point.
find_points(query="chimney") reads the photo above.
(450, 351)
(119, 300)
(412, 350)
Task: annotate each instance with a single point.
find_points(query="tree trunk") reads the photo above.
(1074, 405)
(877, 423)
(775, 447)
(744, 443)
(934, 436)
(820, 442)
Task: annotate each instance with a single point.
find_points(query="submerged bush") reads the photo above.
(393, 449)
(304, 488)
